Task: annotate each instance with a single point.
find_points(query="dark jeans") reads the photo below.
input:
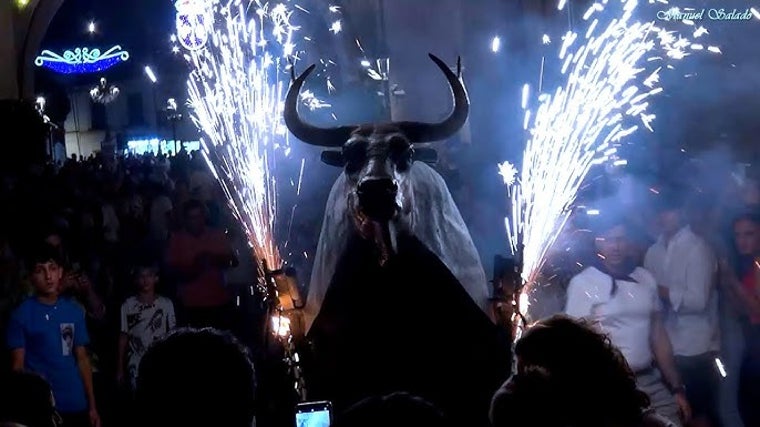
(702, 379)
(75, 419)
(749, 383)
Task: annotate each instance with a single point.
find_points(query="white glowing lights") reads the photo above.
(151, 75)
(104, 93)
(81, 60)
(721, 367)
(495, 44)
(610, 78)
(156, 145)
(281, 325)
(236, 95)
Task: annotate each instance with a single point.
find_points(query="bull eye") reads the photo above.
(398, 142)
(401, 151)
(355, 155)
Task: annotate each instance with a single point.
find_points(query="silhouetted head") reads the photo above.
(26, 399)
(527, 399)
(199, 377)
(393, 410)
(582, 365)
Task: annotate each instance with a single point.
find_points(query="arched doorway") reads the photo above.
(25, 25)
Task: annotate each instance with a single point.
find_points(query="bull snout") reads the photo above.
(377, 197)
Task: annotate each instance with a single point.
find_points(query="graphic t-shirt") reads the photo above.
(144, 324)
(49, 334)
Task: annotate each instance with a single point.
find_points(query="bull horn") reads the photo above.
(322, 137)
(429, 132)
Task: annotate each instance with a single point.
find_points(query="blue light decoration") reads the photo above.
(81, 60)
(194, 23)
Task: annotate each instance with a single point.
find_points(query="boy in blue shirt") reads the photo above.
(47, 335)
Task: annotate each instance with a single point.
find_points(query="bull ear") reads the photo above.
(333, 158)
(426, 155)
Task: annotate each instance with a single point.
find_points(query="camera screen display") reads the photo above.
(313, 415)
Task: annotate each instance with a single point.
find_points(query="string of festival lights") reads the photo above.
(610, 77)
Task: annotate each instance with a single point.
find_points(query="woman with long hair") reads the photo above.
(570, 375)
(742, 283)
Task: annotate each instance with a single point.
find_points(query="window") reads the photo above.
(98, 116)
(135, 109)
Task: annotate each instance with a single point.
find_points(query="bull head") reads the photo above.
(376, 157)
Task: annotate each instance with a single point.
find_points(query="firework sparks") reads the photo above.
(610, 77)
(236, 92)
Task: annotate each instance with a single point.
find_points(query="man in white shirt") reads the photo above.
(623, 299)
(685, 268)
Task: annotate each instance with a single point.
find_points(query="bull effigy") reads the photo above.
(398, 295)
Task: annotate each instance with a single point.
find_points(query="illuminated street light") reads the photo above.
(40, 104)
(174, 117)
(150, 74)
(495, 44)
(104, 93)
(91, 27)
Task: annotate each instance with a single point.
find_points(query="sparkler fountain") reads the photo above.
(236, 92)
(610, 77)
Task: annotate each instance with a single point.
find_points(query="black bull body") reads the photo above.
(404, 323)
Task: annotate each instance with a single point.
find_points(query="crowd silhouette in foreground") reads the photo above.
(211, 379)
(124, 285)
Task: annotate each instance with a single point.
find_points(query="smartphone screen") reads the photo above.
(314, 414)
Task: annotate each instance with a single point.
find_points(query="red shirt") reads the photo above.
(208, 288)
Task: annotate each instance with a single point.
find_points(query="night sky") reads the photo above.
(719, 99)
(141, 27)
